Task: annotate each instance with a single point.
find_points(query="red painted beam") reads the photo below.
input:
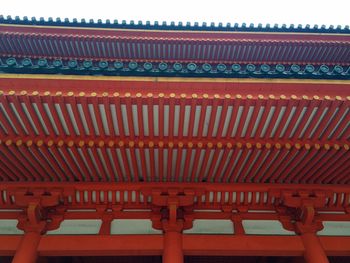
(128, 245)
(98, 186)
(336, 246)
(9, 244)
(226, 245)
(223, 245)
(133, 85)
(215, 187)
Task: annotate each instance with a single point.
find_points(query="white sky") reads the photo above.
(235, 11)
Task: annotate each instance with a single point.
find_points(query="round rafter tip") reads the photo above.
(60, 143)
(336, 147)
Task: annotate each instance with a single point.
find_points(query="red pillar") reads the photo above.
(27, 250)
(314, 252)
(172, 247)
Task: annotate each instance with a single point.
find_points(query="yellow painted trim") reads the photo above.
(173, 31)
(169, 79)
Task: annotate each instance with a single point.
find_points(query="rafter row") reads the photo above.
(180, 48)
(195, 116)
(184, 163)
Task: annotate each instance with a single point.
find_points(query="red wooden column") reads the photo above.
(307, 227)
(27, 249)
(172, 227)
(171, 220)
(33, 226)
(307, 223)
(34, 223)
(314, 252)
(173, 252)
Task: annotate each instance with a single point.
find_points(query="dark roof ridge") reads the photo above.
(195, 26)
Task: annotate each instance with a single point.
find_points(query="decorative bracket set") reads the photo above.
(172, 209)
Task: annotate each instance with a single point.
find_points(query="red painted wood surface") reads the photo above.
(192, 244)
(265, 133)
(150, 45)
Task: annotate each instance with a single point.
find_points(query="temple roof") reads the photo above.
(133, 123)
(81, 48)
(156, 25)
(70, 129)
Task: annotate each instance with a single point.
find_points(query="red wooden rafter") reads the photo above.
(222, 138)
